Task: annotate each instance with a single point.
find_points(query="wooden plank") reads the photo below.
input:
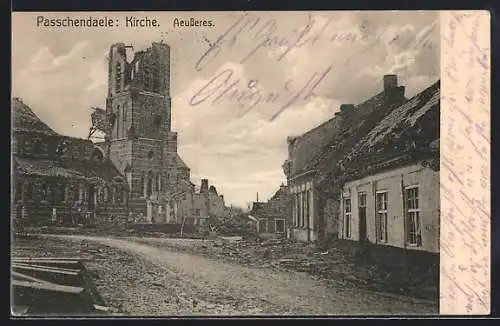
(42, 269)
(21, 265)
(27, 277)
(48, 287)
(58, 263)
(49, 258)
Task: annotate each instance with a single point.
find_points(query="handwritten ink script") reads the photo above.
(224, 86)
(465, 163)
(266, 35)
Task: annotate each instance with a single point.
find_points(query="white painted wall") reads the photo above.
(429, 204)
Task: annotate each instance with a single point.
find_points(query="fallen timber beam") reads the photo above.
(23, 277)
(45, 267)
(49, 298)
(63, 263)
(50, 258)
(52, 275)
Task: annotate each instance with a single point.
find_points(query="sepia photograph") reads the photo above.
(226, 163)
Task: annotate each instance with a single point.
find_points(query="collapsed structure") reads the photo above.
(139, 152)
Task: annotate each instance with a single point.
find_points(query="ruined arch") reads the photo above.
(97, 154)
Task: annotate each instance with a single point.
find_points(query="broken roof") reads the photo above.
(409, 131)
(318, 148)
(281, 193)
(24, 119)
(104, 170)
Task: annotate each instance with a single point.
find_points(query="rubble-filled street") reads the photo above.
(162, 276)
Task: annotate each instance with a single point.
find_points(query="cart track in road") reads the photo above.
(205, 286)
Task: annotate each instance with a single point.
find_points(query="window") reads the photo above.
(19, 191)
(155, 81)
(301, 210)
(58, 194)
(148, 80)
(29, 191)
(124, 194)
(280, 226)
(381, 218)
(118, 76)
(143, 185)
(118, 121)
(124, 120)
(347, 218)
(308, 198)
(44, 192)
(106, 194)
(151, 155)
(263, 226)
(413, 224)
(129, 179)
(97, 156)
(119, 195)
(150, 185)
(158, 182)
(271, 226)
(362, 199)
(76, 193)
(295, 209)
(197, 212)
(28, 146)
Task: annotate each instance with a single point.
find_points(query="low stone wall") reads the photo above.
(413, 263)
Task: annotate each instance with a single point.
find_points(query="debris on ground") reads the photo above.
(325, 262)
(331, 264)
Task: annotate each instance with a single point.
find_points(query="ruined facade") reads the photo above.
(140, 142)
(61, 180)
(313, 155)
(274, 215)
(390, 193)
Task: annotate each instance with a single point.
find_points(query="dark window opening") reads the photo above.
(118, 80)
(158, 120)
(150, 184)
(119, 196)
(280, 226)
(151, 155)
(19, 191)
(44, 192)
(97, 156)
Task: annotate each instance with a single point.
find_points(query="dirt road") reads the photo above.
(180, 283)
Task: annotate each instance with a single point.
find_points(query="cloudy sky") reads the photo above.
(300, 67)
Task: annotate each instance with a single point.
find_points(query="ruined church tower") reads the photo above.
(141, 143)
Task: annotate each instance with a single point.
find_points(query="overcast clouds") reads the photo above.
(61, 73)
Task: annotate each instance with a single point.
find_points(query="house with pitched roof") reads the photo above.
(390, 181)
(58, 179)
(315, 154)
(273, 216)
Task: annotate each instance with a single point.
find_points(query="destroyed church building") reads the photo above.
(61, 180)
(139, 150)
(139, 139)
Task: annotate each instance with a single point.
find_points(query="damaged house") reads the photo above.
(61, 180)
(313, 155)
(273, 216)
(390, 183)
